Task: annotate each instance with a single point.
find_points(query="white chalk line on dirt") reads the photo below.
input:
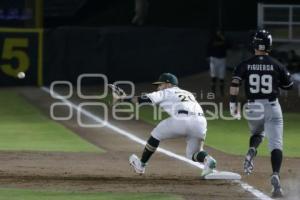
(136, 139)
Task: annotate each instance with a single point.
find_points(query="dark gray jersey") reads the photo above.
(263, 76)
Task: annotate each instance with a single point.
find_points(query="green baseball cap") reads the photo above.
(167, 78)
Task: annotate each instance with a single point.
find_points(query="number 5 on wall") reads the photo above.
(14, 48)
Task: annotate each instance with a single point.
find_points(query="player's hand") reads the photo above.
(234, 111)
(118, 94)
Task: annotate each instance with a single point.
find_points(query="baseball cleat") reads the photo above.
(276, 191)
(248, 162)
(209, 165)
(135, 162)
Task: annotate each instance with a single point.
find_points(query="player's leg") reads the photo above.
(213, 84)
(213, 73)
(168, 128)
(222, 87)
(140, 164)
(195, 152)
(256, 125)
(221, 75)
(255, 140)
(196, 133)
(274, 130)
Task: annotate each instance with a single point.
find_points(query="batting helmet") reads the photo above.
(262, 40)
(167, 78)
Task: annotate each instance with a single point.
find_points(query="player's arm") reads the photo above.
(120, 96)
(286, 81)
(234, 90)
(138, 99)
(233, 102)
(152, 98)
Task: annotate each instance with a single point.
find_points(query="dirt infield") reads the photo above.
(110, 171)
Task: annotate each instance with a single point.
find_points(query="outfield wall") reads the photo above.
(122, 53)
(21, 50)
(130, 53)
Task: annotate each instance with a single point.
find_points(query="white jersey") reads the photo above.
(175, 99)
(192, 127)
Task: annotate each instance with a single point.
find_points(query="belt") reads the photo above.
(270, 99)
(189, 113)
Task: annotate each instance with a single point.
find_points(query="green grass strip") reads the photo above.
(18, 194)
(24, 127)
(232, 136)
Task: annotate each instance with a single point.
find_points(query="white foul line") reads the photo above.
(132, 137)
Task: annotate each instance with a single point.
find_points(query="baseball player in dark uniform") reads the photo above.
(262, 76)
(216, 52)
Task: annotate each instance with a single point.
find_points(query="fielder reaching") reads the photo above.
(186, 120)
(262, 76)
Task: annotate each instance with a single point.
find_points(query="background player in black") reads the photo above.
(216, 52)
(262, 76)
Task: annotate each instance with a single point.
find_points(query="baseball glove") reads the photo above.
(118, 93)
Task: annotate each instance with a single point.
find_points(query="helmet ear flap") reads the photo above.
(261, 47)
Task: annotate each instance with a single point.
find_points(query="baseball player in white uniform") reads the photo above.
(186, 120)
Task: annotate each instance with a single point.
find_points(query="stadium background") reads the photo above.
(60, 40)
(99, 35)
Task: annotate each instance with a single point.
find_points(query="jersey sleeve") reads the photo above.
(239, 72)
(285, 78)
(156, 97)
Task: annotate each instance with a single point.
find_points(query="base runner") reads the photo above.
(262, 76)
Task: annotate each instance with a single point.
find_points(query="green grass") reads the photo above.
(23, 127)
(233, 136)
(16, 194)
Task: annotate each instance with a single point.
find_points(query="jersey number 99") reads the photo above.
(261, 84)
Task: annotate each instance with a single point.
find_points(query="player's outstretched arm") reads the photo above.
(119, 95)
(138, 99)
